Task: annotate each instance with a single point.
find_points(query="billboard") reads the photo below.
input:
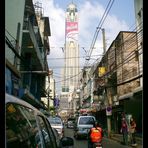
(72, 31)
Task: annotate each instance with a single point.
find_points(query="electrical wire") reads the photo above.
(98, 29)
(128, 58)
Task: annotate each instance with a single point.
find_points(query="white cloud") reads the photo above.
(57, 26)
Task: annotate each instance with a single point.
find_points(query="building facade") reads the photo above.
(115, 83)
(27, 46)
(71, 53)
(52, 89)
(13, 38)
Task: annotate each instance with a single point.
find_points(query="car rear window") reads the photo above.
(55, 120)
(86, 120)
(71, 119)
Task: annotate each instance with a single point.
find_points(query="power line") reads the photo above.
(127, 40)
(98, 29)
(128, 58)
(69, 78)
(71, 57)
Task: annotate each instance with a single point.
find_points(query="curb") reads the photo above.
(119, 139)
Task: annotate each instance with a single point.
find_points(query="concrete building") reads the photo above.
(52, 89)
(71, 69)
(116, 78)
(139, 27)
(13, 38)
(46, 99)
(27, 47)
(35, 48)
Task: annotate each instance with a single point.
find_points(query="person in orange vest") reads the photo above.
(95, 135)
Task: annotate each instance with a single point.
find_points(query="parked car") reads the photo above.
(83, 125)
(57, 123)
(70, 122)
(27, 127)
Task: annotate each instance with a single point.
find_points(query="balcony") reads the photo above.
(32, 44)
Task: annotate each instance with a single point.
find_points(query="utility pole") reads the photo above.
(104, 43)
(92, 87)
(108, 108)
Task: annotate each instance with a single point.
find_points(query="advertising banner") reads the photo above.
(71, 27)
(72, 31)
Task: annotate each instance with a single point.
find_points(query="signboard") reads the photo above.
(108, 110)
(56, 102)
(101, 71)
(72, 31)
(71, 27)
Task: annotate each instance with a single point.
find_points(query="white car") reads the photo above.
(57, 123)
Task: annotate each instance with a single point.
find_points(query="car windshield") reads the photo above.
(55, 120)
(86, 120)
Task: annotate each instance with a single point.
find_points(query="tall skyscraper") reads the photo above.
(71, 69)
(71, 55)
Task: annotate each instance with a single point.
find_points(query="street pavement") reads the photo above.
(114, 142)
(119, 138)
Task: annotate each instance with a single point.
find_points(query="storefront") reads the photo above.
(133, 106)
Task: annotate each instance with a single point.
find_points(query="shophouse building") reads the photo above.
(26, 55)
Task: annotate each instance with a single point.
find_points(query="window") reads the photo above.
(45, 133)
(86, 120)
(21, 127)
(53, 138)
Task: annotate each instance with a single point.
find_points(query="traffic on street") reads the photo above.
(83, 143)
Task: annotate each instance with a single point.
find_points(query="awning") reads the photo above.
(128, 95)
(138, 89)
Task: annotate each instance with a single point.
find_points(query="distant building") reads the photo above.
(52, 89)
(71, 52)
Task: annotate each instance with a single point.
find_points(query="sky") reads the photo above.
(121, 17)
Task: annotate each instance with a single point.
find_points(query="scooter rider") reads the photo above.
(95, 135)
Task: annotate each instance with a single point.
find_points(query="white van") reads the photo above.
(83, 125)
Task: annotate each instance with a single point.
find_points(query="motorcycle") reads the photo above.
(97, 145)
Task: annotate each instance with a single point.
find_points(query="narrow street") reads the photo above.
(82, 143)
(79, 62)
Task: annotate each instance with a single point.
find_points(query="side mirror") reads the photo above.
(66, 141)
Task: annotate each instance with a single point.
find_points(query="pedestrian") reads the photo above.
(95, 135)
(132, 131)
(124, 131)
